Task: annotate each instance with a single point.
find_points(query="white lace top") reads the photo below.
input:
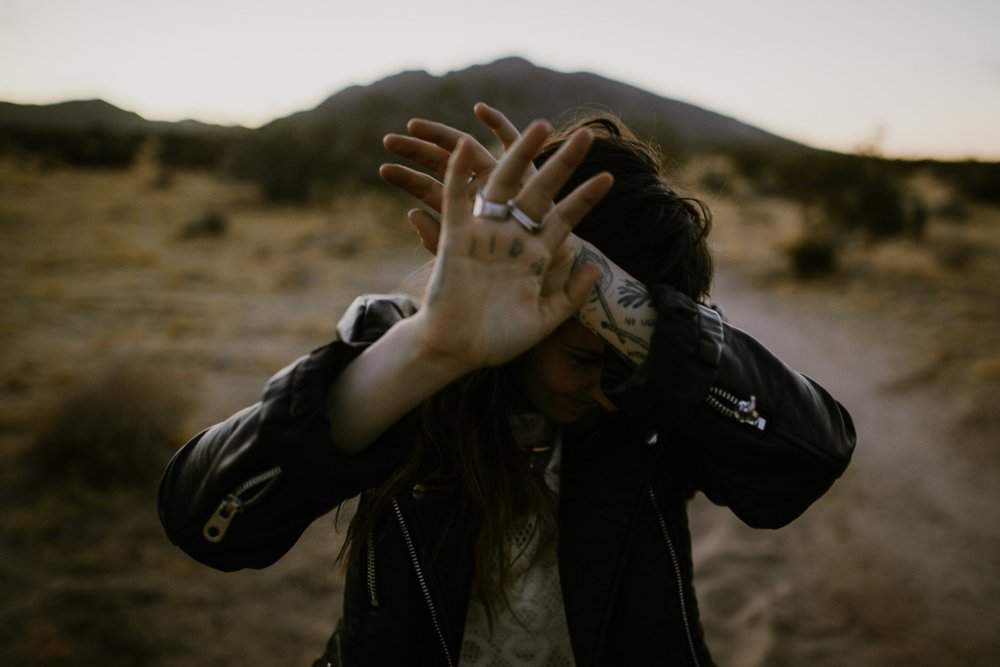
(533, 632)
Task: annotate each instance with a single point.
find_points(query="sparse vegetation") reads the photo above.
(853, 192)
(96, 146)
(88, 575)
(955, 254)
(112, 331)
(976, 181)
(210, 224)
(93, 266)
(114, 431)
(813, 255)
(201, 149)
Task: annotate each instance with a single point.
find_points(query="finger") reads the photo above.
(505, 181)
(439, 134)
(455, 211)
(504, 130)
(428, 228)
(581, 284)
(414, 183)
(446, 138)
(563, 304)
(428, 155)
(559, 221)
(539, 191)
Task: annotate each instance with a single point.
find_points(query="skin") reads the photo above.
(561, 376)
(619, 310)
(496, 293)
(491, 296)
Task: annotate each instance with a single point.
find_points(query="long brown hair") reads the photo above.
(466, 449)
(643, 224)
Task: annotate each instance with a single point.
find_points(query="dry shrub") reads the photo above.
(988, 369)
(164, 179)
(953, 209)
(813, 252)
(812, 256)
(855, 192)
(211, 224)
(112, 432)
(955, 254)
(716, 182)
(80, 625)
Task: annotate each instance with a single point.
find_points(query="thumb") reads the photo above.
(428, 228)
(581, 284)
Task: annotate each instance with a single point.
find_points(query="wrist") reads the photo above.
(390, 378)
(432, 353)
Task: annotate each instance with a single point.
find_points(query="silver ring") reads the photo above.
(491, 210)
(523, 218)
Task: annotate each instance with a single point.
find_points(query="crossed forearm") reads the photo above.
(620, 310)
(401, 373)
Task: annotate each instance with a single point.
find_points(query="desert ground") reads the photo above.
(138, 307)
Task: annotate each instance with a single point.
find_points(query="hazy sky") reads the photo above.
(916, 77)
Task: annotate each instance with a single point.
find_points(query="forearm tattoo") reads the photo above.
(620, 309)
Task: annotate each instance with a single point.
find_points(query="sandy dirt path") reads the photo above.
(898, 564)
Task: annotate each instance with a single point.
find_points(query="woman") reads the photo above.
(525, 441)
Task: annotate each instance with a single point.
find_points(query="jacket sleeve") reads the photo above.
(240, 493)
(745, 428)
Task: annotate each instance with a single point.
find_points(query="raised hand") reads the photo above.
(430, 144)
(490, 297)
(485, 304)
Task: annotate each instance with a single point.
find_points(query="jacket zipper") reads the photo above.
(234, 503)
(677, 573)
(370, 570)
(729, 405)
(422, 581)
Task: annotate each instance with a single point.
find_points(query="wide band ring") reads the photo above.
(523, 218)
(490, 210)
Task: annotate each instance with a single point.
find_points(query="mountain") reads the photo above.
(523, 91)
(94, 133)
(82, 115)
(71, 116)
(340, 139)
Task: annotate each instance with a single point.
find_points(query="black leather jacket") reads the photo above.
(710, 410)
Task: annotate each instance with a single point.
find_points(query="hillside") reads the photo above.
(73, 115)
(337, 145)
(515, 85)
(525, 92)
(83, 115)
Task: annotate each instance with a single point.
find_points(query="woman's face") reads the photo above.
(561, 376)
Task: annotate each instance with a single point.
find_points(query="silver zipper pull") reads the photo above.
(747, 411)
(217, 524)
(728, 405)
